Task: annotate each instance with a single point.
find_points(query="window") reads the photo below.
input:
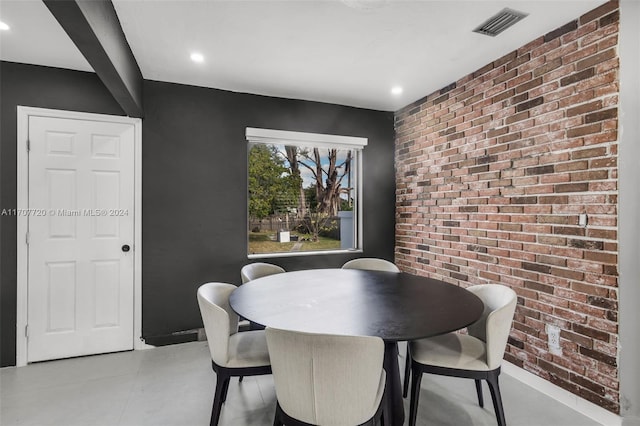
(304, 193)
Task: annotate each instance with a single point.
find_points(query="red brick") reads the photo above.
(598, 80)
(588, 153)
(525, 57)
(571, 26)
(596, 59)
(609, 19)
(572, 166)
(517, 117)
(548, 66)
(558, 75)
(599, 11)
(578, 76)
(583, 341)
(584, 108)
(529, 85)
(531, 45)
(606, 89)
(580, 54)
(504, 77)
(576, 99)
(512, 158)
(601, 115)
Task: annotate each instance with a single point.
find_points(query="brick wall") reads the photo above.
(493, 172)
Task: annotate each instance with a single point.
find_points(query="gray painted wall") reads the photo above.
(629, 218)
(194, 183)
(194, 189)
(43, 87)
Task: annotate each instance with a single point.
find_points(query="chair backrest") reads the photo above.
(371, 264)
(219, 320)
(494, 325)
(256, 270)
(326, 379)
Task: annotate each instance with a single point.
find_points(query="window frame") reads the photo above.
(313, 140)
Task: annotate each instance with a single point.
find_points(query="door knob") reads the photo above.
(126, 248)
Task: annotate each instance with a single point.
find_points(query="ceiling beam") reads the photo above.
(94, 27)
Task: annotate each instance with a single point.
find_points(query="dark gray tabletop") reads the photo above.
(393, 306)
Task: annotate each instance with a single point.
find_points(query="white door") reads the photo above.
(80, 237)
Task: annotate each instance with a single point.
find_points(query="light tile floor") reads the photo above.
(173, 385)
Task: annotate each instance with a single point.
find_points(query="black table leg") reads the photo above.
(394, 387)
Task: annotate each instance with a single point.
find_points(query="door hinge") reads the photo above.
(28, 145)
(26, 238)
(26, 330)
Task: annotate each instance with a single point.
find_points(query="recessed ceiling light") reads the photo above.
(397, 90)
(4, 26)
(365, 4)
(197, 57)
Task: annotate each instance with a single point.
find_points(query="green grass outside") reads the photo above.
(264, 242)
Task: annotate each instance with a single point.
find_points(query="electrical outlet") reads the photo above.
(553, 339)
(582, 220)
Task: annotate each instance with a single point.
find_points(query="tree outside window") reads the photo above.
(301, 198)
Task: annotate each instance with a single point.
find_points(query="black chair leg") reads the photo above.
(277, 419)
(225, 390)
(407, 373)
(386, 415)
(218, 399)
(415, 395)
(492, 380)
(479, 392)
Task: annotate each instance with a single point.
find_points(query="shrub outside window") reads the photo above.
(303, 193)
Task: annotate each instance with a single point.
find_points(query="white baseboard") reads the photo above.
(141, 345)
(631, 421)
(563, 396)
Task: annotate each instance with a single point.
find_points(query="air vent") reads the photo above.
(500, 22)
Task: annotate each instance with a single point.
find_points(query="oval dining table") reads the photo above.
(390, 305)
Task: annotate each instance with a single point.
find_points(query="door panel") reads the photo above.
(80, 282)
(60, 290)
(106, 293)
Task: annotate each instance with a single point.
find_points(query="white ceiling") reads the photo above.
(349, 52)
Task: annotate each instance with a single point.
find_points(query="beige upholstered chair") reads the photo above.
(326, 379)
(374, 264)
(256, 270)
(232, 353)
(371, 264)
(477, 355)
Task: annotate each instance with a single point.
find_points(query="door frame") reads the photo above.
(22, 220)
